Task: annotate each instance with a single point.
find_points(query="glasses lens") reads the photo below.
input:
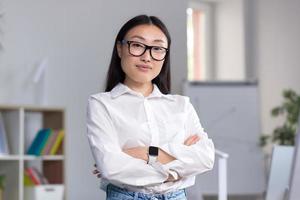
(136, 49)
(158, 53)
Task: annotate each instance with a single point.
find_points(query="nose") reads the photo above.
(146, 57)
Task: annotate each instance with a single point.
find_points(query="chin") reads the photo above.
(143, 81)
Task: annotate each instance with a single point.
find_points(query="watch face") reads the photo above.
(153, 151)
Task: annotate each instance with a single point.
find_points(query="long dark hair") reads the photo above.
(115, 73)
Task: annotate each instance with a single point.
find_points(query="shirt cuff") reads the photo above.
(166, 170)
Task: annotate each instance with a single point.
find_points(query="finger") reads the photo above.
(188, 143)
(193, 137)
(192, 140)
(195, 140)
(196, 137)
(189, 140)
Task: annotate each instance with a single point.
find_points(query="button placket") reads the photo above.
(152, 124)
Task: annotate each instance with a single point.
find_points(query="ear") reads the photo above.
(119, 49)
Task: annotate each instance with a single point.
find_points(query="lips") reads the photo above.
(144, 66)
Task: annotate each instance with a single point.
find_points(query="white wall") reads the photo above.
(278, 53)
(77, 37)
(229, 41)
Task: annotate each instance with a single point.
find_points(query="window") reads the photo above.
(198, 43)
(216, 39)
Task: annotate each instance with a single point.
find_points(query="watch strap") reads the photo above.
(151, 159)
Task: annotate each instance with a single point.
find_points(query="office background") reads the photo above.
(77, 38)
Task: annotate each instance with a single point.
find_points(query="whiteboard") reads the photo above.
(282, 157)
(294, 185)
(229, 112)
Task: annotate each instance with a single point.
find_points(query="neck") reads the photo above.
(144, 88)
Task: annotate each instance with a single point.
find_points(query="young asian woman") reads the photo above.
(146, 142)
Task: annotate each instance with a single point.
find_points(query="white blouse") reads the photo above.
(124, 118)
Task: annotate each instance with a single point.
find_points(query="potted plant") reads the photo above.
(289, 109)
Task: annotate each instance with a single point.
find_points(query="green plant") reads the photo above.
(285, 134)
(2, 180)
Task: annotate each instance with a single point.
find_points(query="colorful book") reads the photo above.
(33, 176)
(35, 146)
(41, 177)
(44, 141)
(50, 142)
(57, 142)
(27, 179)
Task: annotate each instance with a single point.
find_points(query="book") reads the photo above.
(42, 178)
(33, 176)
(4, 150)
(27, 179)
(36, 145)
(44, 141)
(57, 142)
(50, 142)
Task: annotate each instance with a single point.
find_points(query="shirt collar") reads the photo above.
(121, 89)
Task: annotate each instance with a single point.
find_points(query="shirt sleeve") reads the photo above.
(195, 159)
(115, 165)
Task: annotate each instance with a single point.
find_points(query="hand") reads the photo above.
(193, 139)
(165, 158)
(96, 172)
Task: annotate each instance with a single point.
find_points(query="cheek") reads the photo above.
(157, 68)
(127, 64)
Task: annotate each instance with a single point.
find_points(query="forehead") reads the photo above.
(148, 32)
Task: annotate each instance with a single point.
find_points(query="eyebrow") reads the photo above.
(140, 37)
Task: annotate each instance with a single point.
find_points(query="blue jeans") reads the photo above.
(116, 193)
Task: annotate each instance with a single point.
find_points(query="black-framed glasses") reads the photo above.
(138, 49)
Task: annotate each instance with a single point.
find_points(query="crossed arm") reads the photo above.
(142, 153)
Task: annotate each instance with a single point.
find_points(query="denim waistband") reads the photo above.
(136, 195)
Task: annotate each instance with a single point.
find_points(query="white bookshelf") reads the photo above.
(22, 123)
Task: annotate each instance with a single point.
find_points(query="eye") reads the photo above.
(137, 45)
(158, 49)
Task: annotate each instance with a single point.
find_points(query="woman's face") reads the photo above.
(142, 69)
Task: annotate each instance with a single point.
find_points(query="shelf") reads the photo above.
(46, 157)
(22, 122)
(9, 157)
(31, 157)
(31, 108)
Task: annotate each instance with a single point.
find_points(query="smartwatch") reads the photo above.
(152, 154)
